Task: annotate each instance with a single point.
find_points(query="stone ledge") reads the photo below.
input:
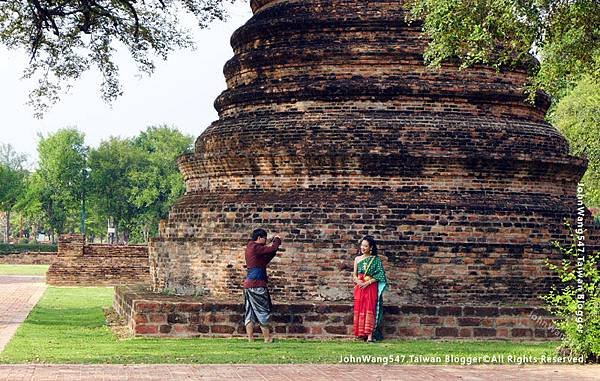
(151, 314)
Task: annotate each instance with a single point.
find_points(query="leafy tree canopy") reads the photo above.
(62, 159)
(66, 38)
(11, 184)
(12, 175)
(564, 35)
(12, 181)
(111, 165)
(157, 184)
(59, 181)
(133, 181)
(30, 202)
(577, 116)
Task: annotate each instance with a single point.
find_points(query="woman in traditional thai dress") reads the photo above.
(369, 284)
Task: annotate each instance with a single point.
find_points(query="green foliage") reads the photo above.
(67, 38)
(12, 175)
(564, 35)
(11, 186)
(496, 32)
(136, 181)
(133, 181)
(12, 178)
(30, 203)
(576, 301)
(62, 158)
(569, 46)
(577, 116)
(59, 182)
(111, 168)
(157, 184)
(28, 247)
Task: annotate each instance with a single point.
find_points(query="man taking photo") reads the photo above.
(257, 301)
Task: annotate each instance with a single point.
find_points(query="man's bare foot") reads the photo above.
(250, 331)
(267, 334)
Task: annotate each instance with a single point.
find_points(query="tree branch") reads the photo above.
(134, 13)
(46, 16)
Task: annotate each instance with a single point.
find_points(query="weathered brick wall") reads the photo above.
(93, 265)
(332, 128)
(30, 258)
(151, 315)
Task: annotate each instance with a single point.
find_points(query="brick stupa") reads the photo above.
(332, 128)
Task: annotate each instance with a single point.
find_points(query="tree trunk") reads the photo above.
(7, 231)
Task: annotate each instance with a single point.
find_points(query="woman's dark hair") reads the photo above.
(259, 233)
(372, 244)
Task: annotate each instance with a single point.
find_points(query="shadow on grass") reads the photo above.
(66, 317)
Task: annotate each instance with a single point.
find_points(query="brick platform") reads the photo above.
(97, 265)
(161, 315)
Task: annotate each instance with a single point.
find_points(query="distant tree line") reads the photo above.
(130, 181)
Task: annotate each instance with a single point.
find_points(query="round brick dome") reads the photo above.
(332, 128)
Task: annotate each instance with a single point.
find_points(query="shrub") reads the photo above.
(576, 300)
(29, 247)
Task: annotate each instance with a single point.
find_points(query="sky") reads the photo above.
(179, 93)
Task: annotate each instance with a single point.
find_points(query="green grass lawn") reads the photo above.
(23, 269)
(68, 326)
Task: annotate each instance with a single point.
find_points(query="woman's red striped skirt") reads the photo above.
(365, 307)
